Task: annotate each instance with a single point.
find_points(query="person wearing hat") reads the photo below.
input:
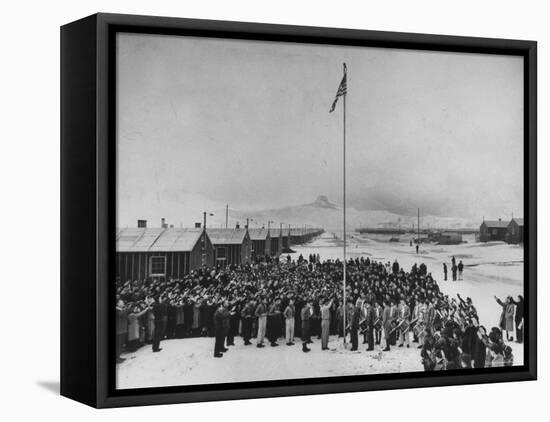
(305, 316)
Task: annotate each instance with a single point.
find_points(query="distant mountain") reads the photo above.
(324, 213)
(323, 202)
(182, 208)
(320, 213)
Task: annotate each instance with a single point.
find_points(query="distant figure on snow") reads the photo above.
(444, 271)
(460, 269)
(453, 267)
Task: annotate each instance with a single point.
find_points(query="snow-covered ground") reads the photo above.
(190, 361)
(493, 268)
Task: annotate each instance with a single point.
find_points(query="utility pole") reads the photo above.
(226, 215)
(344, 207)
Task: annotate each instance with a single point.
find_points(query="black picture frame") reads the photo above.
(88, 201)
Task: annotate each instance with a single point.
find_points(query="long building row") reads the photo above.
(174, 252)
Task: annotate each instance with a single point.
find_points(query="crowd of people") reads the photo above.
(302, 299)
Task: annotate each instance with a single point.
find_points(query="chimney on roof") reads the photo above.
(142, 224)
(197, 225)
(163, 223)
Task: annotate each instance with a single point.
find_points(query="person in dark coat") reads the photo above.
(354, 326)
(453, 267)
(180, 321)
(370, 318)
(395, 267)
(469, 338)
(444, 271)
(219, 331)
(273, 323)
(479, 351)
(378, 313)
(519, 318)
(428, 350)
(160, 311)
(315, 320)
(170, 321)
(207, 317)
(233, 325)
(226, 315)
(188, 317)
(247, 314)
(460, 269)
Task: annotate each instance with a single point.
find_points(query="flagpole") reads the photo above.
(344, 179)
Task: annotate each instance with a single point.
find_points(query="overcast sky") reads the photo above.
(247, 123)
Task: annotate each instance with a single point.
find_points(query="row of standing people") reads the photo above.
(456, 270)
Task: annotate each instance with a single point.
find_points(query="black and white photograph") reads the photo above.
(291, 211)
(254, 211)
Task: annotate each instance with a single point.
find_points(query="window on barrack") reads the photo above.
(158, 266)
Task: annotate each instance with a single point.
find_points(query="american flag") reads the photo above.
(342, 89)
